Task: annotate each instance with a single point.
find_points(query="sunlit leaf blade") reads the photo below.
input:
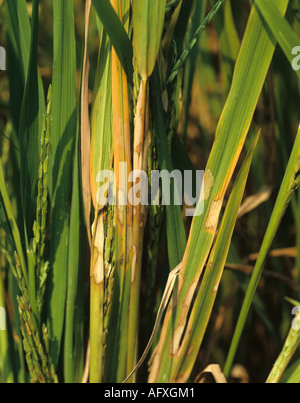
(148, 19)
(124, 251)
(116, 33)
(101, 119)
(101, 159)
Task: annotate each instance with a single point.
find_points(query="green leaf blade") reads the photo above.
(63, 134)
(148, 19)
(117, 34)
(31, 125)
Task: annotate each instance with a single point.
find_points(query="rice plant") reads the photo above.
(120, 262)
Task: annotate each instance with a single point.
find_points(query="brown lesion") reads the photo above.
(98, 252)
(180, 328)
(213, 216)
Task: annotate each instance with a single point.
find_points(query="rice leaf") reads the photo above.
(75, 252)
(31, 124)
(101, 119)
(206, 296)
(74, 338)
(101, 159)
(63, 135)
(289, 349)
(280, 28)
(85, 137)
(11, 222)
(250, 73)
(148, 19)
(117, 34)
(18, 52)
(289, 185)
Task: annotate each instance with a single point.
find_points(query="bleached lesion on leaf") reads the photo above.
(98, 271)
(213, 215)
(175, 346)
(180, 329)
(209, 182)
